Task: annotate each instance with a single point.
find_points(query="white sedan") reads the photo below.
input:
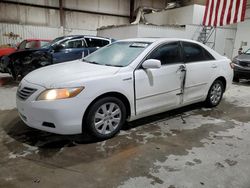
(124, 81)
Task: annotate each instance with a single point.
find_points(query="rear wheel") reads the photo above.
(106, 117)
(215, 94)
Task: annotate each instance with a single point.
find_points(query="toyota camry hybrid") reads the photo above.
(123, 81)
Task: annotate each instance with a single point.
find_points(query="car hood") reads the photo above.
(243, 57)
(72, 73)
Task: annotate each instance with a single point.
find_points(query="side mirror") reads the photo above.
(151, 64)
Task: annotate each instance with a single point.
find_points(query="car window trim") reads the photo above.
(98, 38)
(83, 42)
(203, 50)
(139, 66)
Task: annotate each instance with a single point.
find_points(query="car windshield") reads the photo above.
(118, 54)
(247, 52)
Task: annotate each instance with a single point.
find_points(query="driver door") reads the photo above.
(157, 90)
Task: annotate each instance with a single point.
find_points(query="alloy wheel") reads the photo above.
(216, 93)
(107, 118)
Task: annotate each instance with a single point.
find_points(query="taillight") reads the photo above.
(232, 65)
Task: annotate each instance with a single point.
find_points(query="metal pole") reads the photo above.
(132, 7)
(62, 16)
(214, 37)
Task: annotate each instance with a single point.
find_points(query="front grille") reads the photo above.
(25, 92)
(244, 63)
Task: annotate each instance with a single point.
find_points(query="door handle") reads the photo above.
(214, 66)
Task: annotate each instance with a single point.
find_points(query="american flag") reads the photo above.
(224, 12)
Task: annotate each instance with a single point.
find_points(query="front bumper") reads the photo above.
(241, 72)
(65, 114)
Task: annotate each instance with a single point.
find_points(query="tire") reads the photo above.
(215, 94)
(99, 120)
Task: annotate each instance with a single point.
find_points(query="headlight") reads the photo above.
(62, 93)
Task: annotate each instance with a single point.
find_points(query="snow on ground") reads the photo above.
(7, 98)
(28, 151)
(224, 155)
(7, 95)
(238, 95)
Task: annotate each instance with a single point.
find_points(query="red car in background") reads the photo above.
(25, 44)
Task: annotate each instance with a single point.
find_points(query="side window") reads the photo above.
(194, 52)
(105, 42)
(167, 54)
(92, 42)
(78, 43)
(207, 55)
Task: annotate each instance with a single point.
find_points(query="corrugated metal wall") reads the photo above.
(30, 22)
(28, 31)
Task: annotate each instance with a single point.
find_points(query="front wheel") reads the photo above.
(215, 94)
(106, 117)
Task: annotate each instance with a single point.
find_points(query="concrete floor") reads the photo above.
(187, 148)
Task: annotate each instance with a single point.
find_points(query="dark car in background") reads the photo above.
(61, 49)
(242, 66)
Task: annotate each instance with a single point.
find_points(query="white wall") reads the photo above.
(48, 17)
(119, 32)
(243, 34)
(30, 31)
(120, 7)
(192, 14)
(30, 22)
(223, 35)
(225, 41)
(10, 13)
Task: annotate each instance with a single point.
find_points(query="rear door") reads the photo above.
(157, 90)
(200, 70)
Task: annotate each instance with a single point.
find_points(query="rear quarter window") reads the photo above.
(92, 42)
(194, 52)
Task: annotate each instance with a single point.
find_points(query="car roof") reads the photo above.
(83, 36)
(158, 39)
(33, 39)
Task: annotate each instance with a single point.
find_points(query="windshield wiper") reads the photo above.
(113, 65)
(92, 62)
